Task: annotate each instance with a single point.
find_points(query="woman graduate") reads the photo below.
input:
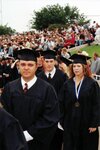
(11, 134)
(80, 107)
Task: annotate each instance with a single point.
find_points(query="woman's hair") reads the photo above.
(86, 69)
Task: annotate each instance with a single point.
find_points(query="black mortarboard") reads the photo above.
(38, 53)
(26, 54)
(49, 54)
(65, 60)
(79, 58)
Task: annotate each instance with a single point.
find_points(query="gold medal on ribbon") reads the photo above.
(77, 104)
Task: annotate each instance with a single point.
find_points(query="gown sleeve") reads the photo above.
(14, 139)
(12, 134)
(95, 97)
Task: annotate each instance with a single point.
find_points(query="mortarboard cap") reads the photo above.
(49, 54)
(65, 60)
(26, 54)
(79, 58)
(38, 53)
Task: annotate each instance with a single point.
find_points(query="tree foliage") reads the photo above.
(56, 14)
(6, 30)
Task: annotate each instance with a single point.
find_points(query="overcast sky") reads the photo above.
(18, 13)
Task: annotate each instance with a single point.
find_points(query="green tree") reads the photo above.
(55, 14)
(47, 16)
(71, 13)
(6, 30)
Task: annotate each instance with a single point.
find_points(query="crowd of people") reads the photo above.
(73, 36)
(50, 96)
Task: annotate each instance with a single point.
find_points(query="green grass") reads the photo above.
(90, 49)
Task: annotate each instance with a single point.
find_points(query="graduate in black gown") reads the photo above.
(56, 78)
(15, 74)
(36, 106)
(80, 101)
(39, 55)
(64, 64)
(7, 70)
(11, 133)
(1, 76)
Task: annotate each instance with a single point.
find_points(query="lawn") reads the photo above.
(90, 49)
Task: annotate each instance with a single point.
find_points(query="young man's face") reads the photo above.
(39, 61)
(27, 69)
(48, 64)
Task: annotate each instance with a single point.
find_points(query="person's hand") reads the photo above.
(7, 75)
(60, 127)
(63, 67)
(92, 130)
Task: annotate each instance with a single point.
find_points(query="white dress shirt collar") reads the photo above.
(30, 83)
(52, 73)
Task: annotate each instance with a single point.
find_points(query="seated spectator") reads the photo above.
(95, 65)
(81, 37)
(97, 35)
(70, 40)
(88, 37)
(65, 53)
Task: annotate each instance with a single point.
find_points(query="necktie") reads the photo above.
(49, 76)
(25, 87)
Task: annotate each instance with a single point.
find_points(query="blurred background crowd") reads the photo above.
(59, 40)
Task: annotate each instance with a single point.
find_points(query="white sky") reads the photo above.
(18, 13)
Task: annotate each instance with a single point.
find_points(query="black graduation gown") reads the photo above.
(7, 70)
(77, 120)
(57, 81)
(1, 76)
(37, 110)
(14, 73)
(39, 69)
(11, 134)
